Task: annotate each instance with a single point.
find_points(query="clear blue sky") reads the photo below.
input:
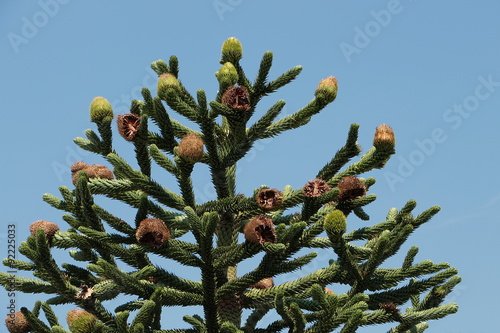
(429, 69)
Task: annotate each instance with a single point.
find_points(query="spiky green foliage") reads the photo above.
(114, 257)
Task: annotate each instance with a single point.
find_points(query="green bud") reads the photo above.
(335, 223)
(100, 109)
(327, 89)
(232, 50)
(167, 82)
(227, 75)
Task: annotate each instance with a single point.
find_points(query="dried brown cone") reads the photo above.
(265, 283)
(128, 125)
(389, 307)
(237, 98)
(16, 323)
(351, 188)
(84, 292)
(152, 232)
(328, 291)
(93, 171)
(315, 188)
(191, 147)
(269, 199)
(260, 230)
(78, 166)
(384, 138)
(48, 228)
(100, 171)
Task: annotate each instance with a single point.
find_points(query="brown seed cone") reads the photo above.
(16, 323)
(328, 291)
(93, 171)
(191, 147)
(237, 97)
(269, 199)
(84, 292)
(384, 137)
(100, 171)
(315, 188)
(77, 166)
(128, 125)
(80, 320)
(390, 307)
(152, 232)
(260, 230)
(265, 283)
(48, 228)
(351, 188)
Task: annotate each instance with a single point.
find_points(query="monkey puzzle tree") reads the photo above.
(127, 256)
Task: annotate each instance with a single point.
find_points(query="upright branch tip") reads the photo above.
(335, 223)
(227, 74)
(100, 110)
(167, 83)
(232, 50)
